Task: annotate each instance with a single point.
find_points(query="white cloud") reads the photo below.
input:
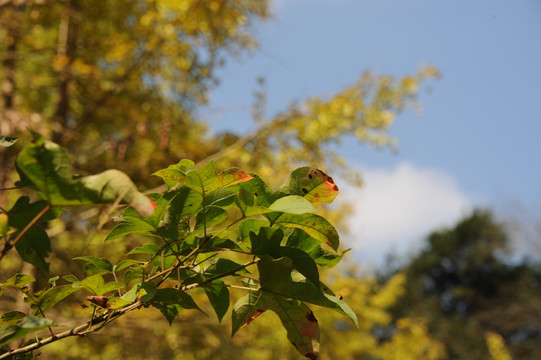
(397, 208)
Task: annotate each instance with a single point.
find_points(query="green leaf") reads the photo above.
(251, 225)
(218, 296)
(170, 311)
(302, 262)
(243, 200)
(322, 254)
(327, 258)
(213, 216)
(96, 265)
(298, 320)
(264, 196)
(53, 296)
(23, 327)
(72, 279)
(7, 141)
(131, 295)
(150, 290)
(48, 167)
(130, 225)
(293, 205)
(175, 296)
(223, 198)
(125, 264)
(150, 249)
(204, 180)
(314, 225)
(276, 277)
(134, 274)
(221, 267)
(110, 185)
(11, 317)
(174, 172)
(18, 281)
(23, 212)
(115, 302)
(34, 246)
(217, 243)
(245, 310)
(184, 203)
(267, 241)
(97, 286)
(313, 184)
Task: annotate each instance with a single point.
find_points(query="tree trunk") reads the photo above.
(67, 41)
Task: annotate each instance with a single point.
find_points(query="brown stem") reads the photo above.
(107, 318)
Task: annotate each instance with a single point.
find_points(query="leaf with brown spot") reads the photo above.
(204, 180)
(298, 320)
(313, 184)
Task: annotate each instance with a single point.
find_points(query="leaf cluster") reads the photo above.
(217, 231)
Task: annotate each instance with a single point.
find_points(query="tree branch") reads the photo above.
(107, 318)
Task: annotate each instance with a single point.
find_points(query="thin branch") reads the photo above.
(107, 318)
(76, 331)
(12, 188)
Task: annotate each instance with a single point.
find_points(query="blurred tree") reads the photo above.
(118, 83)
(464, 288)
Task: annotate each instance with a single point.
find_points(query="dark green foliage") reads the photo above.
(464, 286)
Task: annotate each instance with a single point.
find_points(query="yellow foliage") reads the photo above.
(496, 346)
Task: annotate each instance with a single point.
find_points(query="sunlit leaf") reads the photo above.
(18, 281)
(96, 265)
(53, 296)
(7, 141)
(313, 184)
(111, 185)
(150, 249)
(314, 225)
(293, 205)
(124, 264)
(97, 286)
(204, 180)
(11, 317)
(129, 226)
(48, 167)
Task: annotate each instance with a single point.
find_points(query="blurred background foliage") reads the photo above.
(119, 85)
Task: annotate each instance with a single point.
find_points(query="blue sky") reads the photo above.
(478, 139)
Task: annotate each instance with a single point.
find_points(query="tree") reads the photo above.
(462, 284)
(128, 76)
